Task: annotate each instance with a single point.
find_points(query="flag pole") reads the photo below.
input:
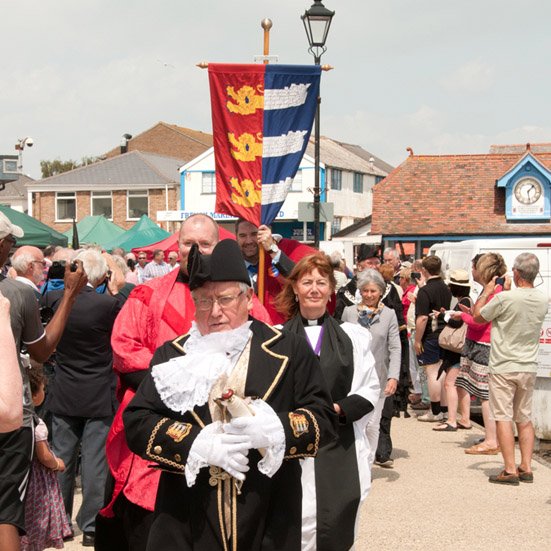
(266, 24)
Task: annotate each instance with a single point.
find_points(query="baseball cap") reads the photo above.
(7, 228)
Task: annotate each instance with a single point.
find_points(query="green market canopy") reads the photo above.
(95, 230)
(36, 233)
(143, 232)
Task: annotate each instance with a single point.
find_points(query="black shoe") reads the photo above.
(88, 539)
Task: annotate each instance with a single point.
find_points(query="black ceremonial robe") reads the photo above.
(285, 373)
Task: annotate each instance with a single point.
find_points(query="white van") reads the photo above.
(458, 254)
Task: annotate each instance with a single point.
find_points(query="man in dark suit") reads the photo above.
(241, 483)
(81, 397)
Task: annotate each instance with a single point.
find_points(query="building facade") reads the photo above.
(346, 181)
(434, 198)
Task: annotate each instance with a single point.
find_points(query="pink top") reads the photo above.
(479, 332)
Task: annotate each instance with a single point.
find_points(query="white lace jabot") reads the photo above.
(185, 382)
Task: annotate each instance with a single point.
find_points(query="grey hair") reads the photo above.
(64, 254)
(391, 250)
(121, 263)
(527, 265)
(94, 265)
(20, 262)
(336, 259)
(371, 276)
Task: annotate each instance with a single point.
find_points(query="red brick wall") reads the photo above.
(44, 207)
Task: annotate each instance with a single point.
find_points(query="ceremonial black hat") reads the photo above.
(366, 251)
(226, 263)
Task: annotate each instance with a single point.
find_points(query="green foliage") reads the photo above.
(57, 166)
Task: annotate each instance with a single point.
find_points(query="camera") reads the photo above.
(46, 314)
(57, 270)
(415, 275)
(500, 281)
(73, 266)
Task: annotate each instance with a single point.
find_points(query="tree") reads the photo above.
(57, 166)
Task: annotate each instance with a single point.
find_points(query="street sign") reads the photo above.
(306, 212)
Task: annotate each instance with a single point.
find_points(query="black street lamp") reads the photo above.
(317, 21)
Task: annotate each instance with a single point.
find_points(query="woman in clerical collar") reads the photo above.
(341, 476)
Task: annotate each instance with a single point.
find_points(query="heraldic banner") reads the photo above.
(262, 117)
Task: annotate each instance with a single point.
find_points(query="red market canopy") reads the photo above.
(170, 243)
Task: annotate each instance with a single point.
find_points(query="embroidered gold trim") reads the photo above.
(155, 457)
(178, 431)
(221, 515)
(198, 419)
(285, 361)
(234, 517)
(316, 440)
(176, 343)
(299, 423)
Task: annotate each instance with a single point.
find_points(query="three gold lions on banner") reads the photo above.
(246, 147)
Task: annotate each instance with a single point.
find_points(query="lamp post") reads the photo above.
(19, 147)
(317, 21)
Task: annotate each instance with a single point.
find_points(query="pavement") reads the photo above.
(438, 498)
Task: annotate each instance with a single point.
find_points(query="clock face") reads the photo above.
(527, 191)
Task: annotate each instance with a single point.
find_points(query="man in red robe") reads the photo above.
(155, 312)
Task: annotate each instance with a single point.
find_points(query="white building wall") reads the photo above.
(197, 201)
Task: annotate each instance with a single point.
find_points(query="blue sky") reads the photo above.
(437, 76)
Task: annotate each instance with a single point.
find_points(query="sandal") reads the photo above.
(464, 427)
(445, 427)
(480, 449)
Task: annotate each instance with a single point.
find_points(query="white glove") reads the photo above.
(228, 451)
(264, 429)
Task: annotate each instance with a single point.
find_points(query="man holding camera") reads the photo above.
(81, 397)
(517, 316)
(27, 328)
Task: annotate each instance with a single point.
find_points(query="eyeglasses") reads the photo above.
(43, 262)
(205, 304)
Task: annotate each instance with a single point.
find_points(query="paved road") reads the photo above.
(438, 498)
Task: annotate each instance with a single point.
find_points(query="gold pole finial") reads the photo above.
(266, 24)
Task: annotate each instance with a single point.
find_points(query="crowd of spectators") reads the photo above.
(94, 320)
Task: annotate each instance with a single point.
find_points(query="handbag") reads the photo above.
(453, 339)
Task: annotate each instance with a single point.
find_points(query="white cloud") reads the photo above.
(472, 78)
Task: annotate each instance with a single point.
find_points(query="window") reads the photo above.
(378, 179)
(297, 182)
(102, 203)
(336, 179)
(136, 203)
(65, 205)
(10, 166)
(336, 225)
(208, 183)
(358, 183)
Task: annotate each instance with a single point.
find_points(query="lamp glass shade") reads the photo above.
(317, 21)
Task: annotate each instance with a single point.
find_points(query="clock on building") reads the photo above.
(527, 198)
(527, 191)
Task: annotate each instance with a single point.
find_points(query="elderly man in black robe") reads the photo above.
(231, 479)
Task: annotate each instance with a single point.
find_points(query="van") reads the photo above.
(458, 254)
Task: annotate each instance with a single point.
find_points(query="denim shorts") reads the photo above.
(430, 354)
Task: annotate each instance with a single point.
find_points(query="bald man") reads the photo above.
(28, 262)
